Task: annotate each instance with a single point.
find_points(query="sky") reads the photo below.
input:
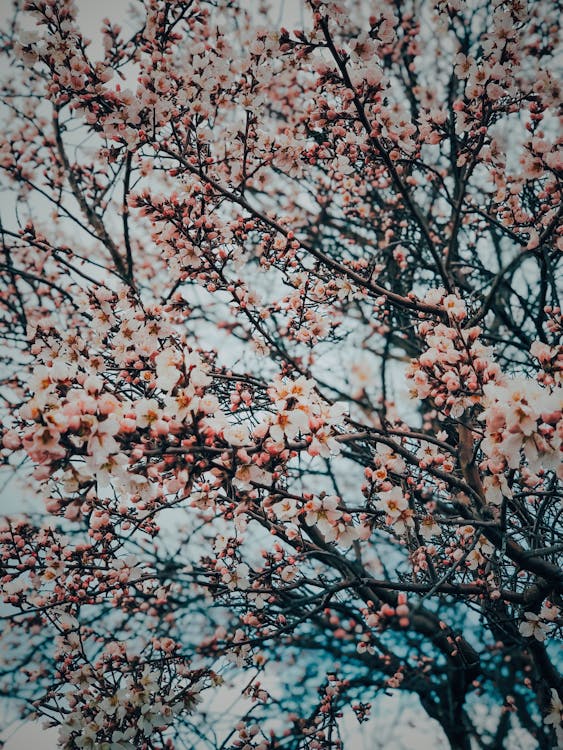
(416, 731)
(27, 736)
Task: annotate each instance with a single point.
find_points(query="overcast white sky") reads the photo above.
(395, 728)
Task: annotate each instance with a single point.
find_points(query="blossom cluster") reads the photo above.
(234, 250)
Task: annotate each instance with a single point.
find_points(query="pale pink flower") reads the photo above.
(289, 573)
(283, 389)
(455, 307)
(237, 578)
(555, 715)
(147, 411)
(288, 424)
(532, 626)
(393, 502)
(236, 434)
(167, 372)
(102, 441)
(496, 488)
(246, 474)
(429, 528)
(323, 513)
(463, 65)
(323, 444)
(286, 509)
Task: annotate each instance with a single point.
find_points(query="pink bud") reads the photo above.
(127, 425)
(159, 427)
(11, 440)
(107, 404)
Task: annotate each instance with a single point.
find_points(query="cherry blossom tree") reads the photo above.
(281, 372)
